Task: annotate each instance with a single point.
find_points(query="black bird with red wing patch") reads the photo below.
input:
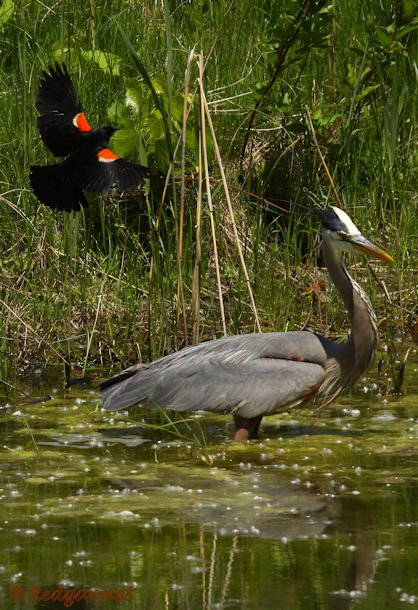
(90, 165)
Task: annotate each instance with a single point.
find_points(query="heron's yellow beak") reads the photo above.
(364, 246)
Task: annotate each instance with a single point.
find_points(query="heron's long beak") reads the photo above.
(364, 246)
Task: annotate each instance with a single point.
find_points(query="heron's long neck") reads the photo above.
(361, 346)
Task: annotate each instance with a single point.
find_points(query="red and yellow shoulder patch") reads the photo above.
(107, 156)
(81, 122)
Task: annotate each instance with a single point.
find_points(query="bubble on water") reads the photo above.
(29, 532)
(245, 465)
(351, 594)
(126, 513)
(384, 417)
(16, 577)
(409, 599)
(66, 583)
(133, 584)
(174, 488)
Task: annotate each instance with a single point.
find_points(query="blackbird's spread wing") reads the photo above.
(54, 187)
(99, 172)
(61, 122)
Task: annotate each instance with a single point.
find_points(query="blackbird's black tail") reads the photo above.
(54, 187)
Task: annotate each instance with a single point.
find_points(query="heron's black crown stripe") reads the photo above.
(330, 220)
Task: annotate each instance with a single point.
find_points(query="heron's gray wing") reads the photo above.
(254, 387)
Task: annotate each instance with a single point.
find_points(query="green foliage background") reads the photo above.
(79, 287)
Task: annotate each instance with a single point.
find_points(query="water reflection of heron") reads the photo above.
(254, 375)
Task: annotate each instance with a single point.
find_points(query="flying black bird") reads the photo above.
(89, 165)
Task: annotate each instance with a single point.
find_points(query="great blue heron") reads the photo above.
(260, 374)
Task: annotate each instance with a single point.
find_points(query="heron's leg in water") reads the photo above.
(246, 429)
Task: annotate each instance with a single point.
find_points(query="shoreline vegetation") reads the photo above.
(237, 108)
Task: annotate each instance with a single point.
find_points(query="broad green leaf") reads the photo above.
(408, 9)
(133, 96)
(366, 91)
(125, 143)
(7, 9)
(108, 62)
(177, 104)
(59, 53)
(160, 84)
(118, 113)
(162, 157)
(154, 125)
(405, 29)
(383, 37)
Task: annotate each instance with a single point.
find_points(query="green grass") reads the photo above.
(80, 288)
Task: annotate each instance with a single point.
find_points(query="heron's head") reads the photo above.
(344, 236)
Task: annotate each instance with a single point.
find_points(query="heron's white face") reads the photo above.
(343, 238)
(349, 226)
(348, 238)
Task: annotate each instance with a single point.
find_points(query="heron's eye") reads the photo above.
(343, 235)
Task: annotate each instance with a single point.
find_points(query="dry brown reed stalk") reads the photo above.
(209, 198)
(198, 249)
(156, 228)
(180, 291)
(231, 212)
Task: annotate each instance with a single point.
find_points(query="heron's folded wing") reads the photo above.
(257, 387)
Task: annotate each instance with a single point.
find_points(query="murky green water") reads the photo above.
(321, 513)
